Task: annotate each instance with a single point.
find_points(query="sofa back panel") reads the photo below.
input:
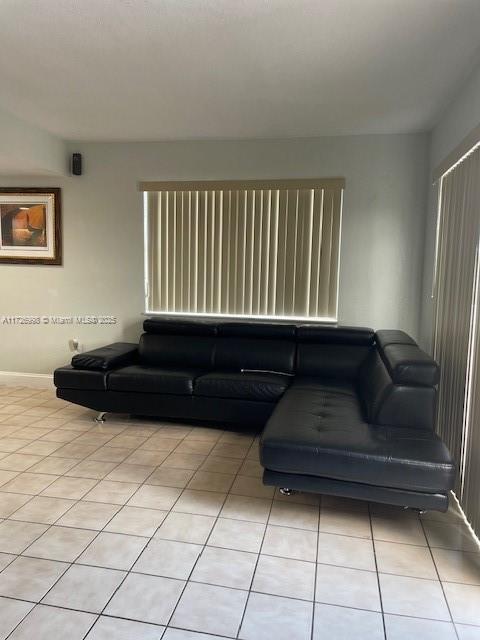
(405, 406)
(406, 363)
(373, 384)
(324, 334)
(177, 351)
(165, 326)
(337, 361)
(384, 337)
(390, 404)
(245, 353)
(257, 330)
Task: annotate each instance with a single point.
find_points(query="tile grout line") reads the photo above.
(312, 634)
(339, 606)
(378, 575)
(237, 635)
(206, 543)
(439, 579)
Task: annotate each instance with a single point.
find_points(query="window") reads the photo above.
(254, 249)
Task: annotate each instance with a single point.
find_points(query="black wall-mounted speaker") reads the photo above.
(76, 164)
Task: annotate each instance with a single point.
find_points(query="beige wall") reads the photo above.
(381, 253)
(25, 148)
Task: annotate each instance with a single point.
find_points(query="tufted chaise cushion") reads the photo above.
(318, 429)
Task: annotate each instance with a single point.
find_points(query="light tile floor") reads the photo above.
(141, 530)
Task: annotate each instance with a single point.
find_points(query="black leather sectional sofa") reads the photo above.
(346, 411)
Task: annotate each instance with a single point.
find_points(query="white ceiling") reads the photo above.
(179, 69)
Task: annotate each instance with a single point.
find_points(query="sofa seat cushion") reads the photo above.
(248, 385)
(153, 380)
(318, 429)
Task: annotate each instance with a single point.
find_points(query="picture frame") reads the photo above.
(30, 225)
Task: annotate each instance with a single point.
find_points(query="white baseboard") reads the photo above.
(17, 379)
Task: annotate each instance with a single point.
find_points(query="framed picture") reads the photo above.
(30, 226)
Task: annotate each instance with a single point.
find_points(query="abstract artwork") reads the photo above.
(30, 226)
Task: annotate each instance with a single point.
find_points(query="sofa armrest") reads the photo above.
(112, 356)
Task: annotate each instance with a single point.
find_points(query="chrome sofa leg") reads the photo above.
(286, 492)
(419, 512)
(100, 419)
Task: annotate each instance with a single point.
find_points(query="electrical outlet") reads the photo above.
(74, 344)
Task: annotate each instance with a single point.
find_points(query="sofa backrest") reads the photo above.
(405, 361)
(227, 346)
(397, 382)
(170, 326)
(255, 346)
(177, 343)
(332, 352)
(305, 350)
(395, 379)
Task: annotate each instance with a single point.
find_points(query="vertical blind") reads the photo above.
(243, 248)
(470, 495)
(456, 340)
